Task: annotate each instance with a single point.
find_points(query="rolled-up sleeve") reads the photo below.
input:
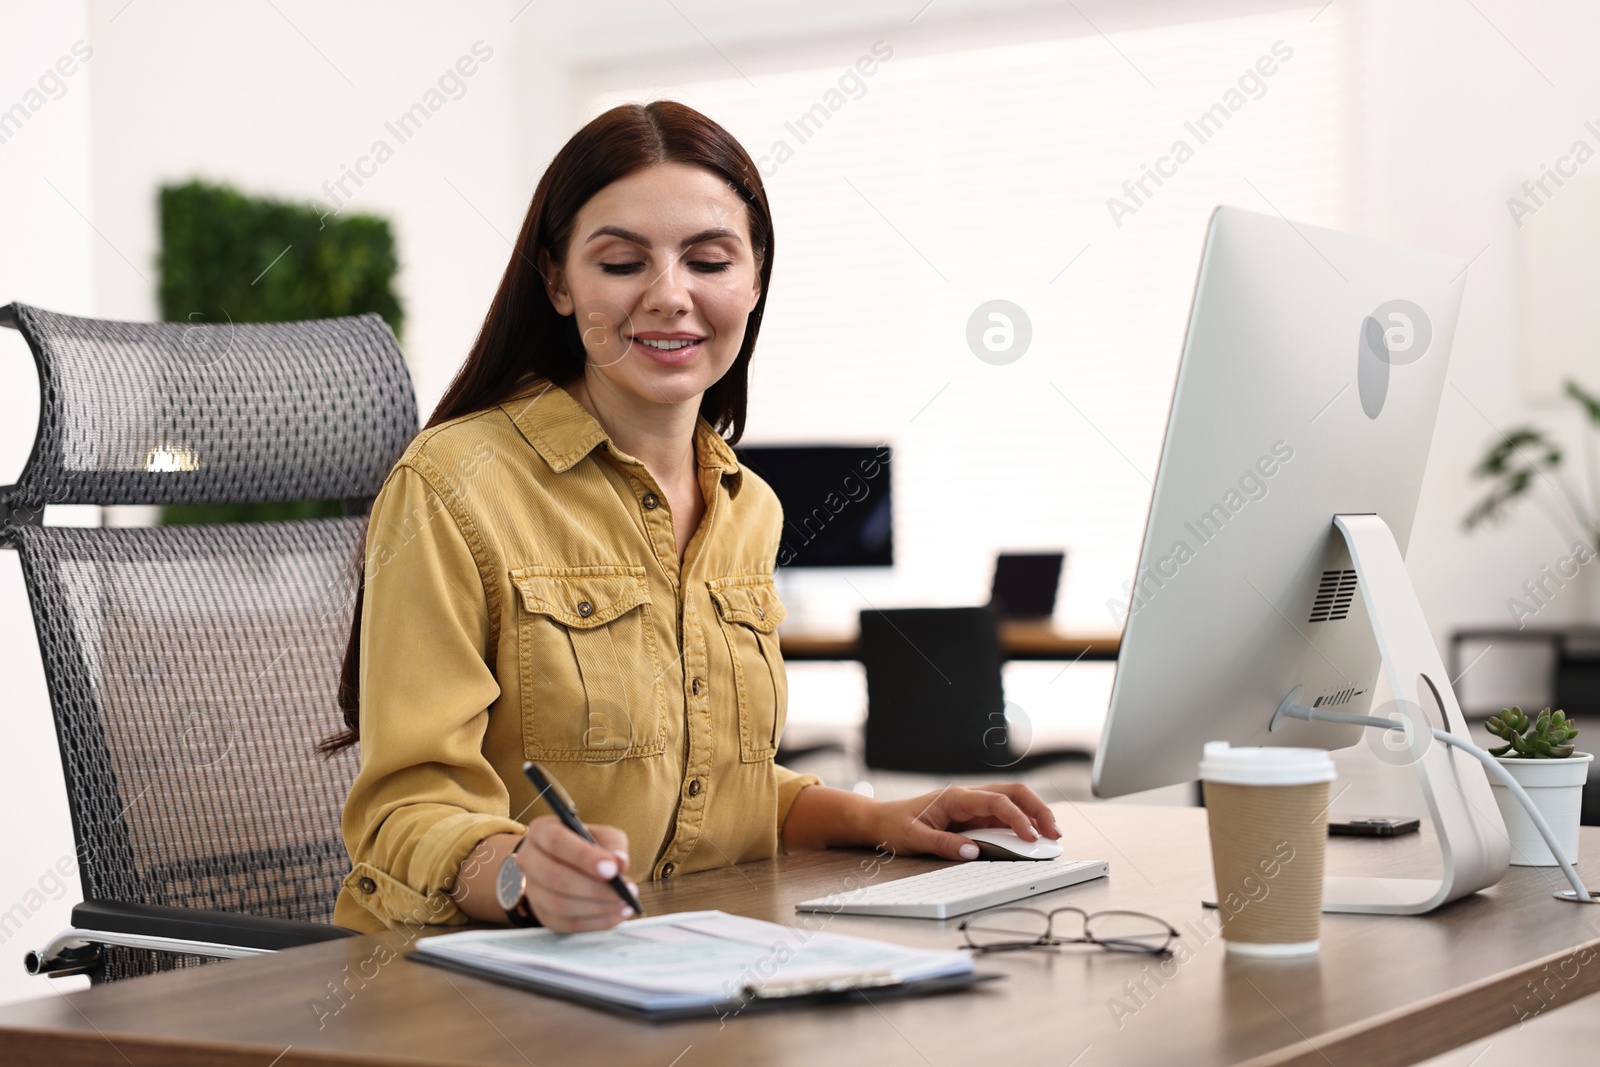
(789, 785)
(425, 794)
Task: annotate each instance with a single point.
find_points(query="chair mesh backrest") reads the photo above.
(178, 413)
(192, 669)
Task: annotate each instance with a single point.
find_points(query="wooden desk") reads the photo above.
(1383, 991)
(1018, 640)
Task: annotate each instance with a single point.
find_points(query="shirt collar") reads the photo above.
(562, 431)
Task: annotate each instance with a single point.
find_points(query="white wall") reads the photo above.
(277, 98)
(278, 104)
(45, 181)
(1455, 119)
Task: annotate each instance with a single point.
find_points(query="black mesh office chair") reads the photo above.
(192, 669)
(935, 704)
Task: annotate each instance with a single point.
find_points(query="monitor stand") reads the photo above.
(1465, 817)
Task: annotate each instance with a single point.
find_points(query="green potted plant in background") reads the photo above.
(1539, 753)
(228, 257)
(1527, 460)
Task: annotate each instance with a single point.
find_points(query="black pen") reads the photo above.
(557, 798)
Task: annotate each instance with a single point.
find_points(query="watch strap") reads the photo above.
(521, 914)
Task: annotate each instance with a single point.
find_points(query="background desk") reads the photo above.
(1018, 640)
(1383, 991)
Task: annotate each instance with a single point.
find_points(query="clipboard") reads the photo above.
(836, 990)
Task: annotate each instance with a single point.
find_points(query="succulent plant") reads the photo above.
(1549, 736)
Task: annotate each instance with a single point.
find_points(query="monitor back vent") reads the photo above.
(1334, 596)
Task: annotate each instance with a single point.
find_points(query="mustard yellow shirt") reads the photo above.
(524, 600)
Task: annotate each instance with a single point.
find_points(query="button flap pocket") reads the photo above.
(581, 597)
(752, 601)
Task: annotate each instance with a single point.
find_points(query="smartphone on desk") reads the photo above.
(1372, 825)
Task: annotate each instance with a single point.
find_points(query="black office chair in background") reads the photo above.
(192, 669)
(935, 704)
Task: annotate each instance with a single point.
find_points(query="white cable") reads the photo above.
(1300, 711)
(1506, 779)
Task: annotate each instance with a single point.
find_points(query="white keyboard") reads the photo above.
(959, 888)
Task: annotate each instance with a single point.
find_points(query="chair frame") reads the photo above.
(182, 931)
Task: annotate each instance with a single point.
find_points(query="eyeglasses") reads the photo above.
(1006, 929)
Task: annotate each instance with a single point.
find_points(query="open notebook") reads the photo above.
(698, 963)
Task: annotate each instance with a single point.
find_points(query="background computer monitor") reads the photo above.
(1291, 406)
(836, 502)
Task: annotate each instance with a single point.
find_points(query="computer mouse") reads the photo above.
(1006, 845)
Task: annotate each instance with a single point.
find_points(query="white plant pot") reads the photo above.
(1556, 786)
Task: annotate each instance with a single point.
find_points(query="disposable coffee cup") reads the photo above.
(1268, 815)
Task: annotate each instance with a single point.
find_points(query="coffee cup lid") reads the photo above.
(1265, 766)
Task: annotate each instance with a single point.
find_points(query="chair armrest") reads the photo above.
(200, 924)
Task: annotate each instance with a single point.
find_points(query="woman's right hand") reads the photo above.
(568, 879)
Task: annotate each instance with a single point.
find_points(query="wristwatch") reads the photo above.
(509, 887)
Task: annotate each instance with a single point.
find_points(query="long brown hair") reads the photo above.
(524, 335)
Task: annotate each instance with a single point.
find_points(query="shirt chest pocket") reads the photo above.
(590, 668)
(749, 611)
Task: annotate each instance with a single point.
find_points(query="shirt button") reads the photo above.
(761, 613)
(694, 788)
(585, 608)
(694, 687)
(368, 885)
(650, 501)
(666, 872)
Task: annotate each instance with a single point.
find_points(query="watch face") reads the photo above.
(508, 886)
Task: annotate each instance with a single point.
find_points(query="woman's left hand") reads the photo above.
(931, 823)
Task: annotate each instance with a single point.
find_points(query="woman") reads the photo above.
(569, 565)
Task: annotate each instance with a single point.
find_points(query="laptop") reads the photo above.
(1025, 584)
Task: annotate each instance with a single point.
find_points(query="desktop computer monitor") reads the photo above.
(836, 502)
(1310, 378)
